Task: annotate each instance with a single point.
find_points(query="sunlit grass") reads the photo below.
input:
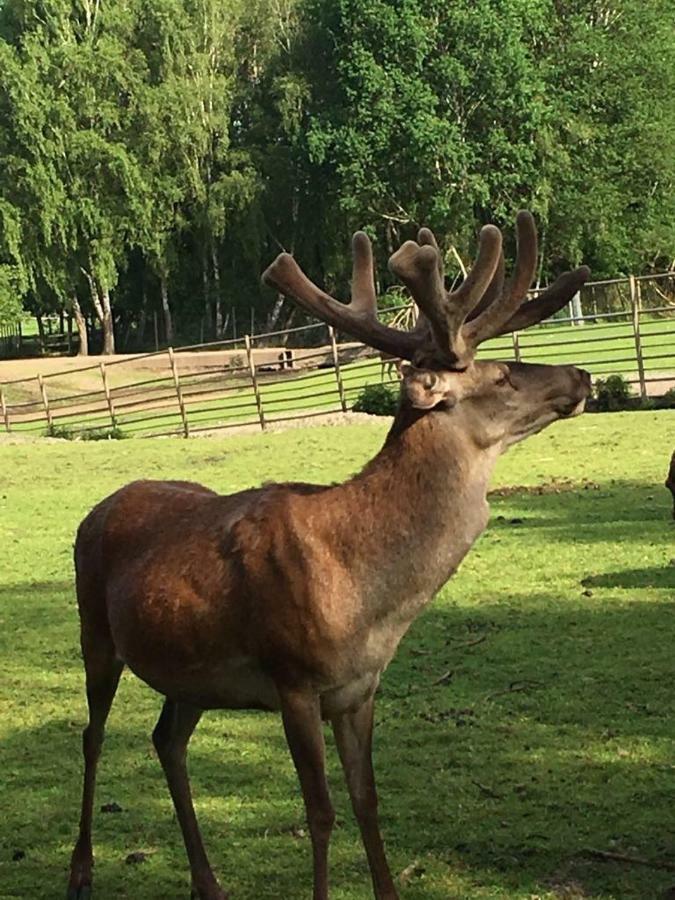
(552, 734)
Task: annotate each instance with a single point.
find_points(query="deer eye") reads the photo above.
(502, 380)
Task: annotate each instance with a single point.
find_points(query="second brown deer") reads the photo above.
(670, 480)
(293, 597)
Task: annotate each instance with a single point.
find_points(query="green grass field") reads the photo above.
(552, 734)
(216, 401)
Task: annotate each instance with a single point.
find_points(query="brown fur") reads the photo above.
(670, 480)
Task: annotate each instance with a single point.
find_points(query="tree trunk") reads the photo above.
(168, 321)
(283, 340)
(208, 320)
(273, 317)
(140, 335)
(107, 322)
(83, 349)
(100, 297)
(219, 305)
(41, 331)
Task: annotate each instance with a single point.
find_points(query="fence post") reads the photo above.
(45, 402)
(254, 380)
(108, 398)
(3, 407)
(636, 304)
(179, 393)
(336, 367)
(516, 345)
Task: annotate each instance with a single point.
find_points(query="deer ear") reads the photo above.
(426, 389)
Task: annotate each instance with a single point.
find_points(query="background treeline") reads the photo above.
(155, 154)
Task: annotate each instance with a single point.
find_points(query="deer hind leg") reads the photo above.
(103, 671)
(171, 736)
(353, 736)
(301, 714)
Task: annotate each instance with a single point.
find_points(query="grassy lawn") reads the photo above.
(550, 732)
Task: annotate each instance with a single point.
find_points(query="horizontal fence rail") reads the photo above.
(259, 381)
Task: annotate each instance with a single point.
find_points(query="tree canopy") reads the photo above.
(155, 154)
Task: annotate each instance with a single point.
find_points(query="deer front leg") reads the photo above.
(172, 733)
(103, 675)
(354, 738)
(301, 715)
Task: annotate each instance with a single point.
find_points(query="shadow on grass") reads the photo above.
(510, 737)
(618, 511)
(662, 577)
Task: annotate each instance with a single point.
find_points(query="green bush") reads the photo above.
(667, 401)
(378, 400)
(71, 433)
(612, 393)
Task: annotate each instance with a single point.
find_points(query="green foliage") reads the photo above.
(612, 393)
(72, 433)
(665, 401)
(10, 295)
(155, 154)
(377, 400)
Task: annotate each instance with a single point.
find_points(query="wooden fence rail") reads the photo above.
(258, 386)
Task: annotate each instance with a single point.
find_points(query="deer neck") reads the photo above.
(422, 503)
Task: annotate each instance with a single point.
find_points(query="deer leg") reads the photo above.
(172, 733)
(354, 738)
(103, 676)
(301, 714)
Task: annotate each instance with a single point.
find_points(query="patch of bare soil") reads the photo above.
(306, 421)
(188, 361)
(555, 486)
(324, 419)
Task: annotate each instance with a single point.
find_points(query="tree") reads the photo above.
(154, 154)
(611, 173)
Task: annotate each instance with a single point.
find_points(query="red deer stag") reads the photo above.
(291, 597)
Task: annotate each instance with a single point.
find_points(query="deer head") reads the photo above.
(497, 403)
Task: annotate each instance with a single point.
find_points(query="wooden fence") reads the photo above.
(10, 340)
(230, 384)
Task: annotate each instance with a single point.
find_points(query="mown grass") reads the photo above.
(551, 735)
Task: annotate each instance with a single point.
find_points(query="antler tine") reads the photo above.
(488, 321)
(420, 268)
(476, 283)
(494, 289)
(358, 318)
(426, 238)
(548, 302)
(364, 298)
